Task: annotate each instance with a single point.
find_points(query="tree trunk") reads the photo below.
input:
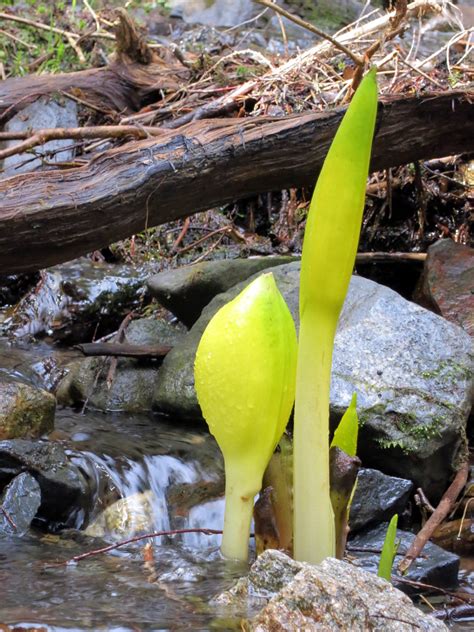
(54, 216)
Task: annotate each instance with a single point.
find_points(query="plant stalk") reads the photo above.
(238, 515)
(314, 531)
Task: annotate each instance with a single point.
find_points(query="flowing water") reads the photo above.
(144, 473)
(164, 473)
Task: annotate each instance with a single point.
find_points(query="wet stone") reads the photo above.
(25, 411)
(18, 505)
(333, 595)
(447, 283)
(434, 566)
(78, 301)
(187, 290)
(62, 485)
(377, 498)
(134, 380)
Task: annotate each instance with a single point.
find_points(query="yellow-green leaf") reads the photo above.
(345, 437)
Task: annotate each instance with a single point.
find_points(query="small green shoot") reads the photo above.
(347, 432)
(389, 550)
(344, 467)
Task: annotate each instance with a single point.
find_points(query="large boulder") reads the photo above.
(186, 291)
(25, 411)
(411, 369)
(134, 381)
(447, 283)
(333, 595)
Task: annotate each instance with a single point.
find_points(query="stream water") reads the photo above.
(171, 476)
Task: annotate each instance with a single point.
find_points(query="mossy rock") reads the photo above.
(25, 411)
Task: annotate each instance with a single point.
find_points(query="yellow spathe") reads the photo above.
(245, 383)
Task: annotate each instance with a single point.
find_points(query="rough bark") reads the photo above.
(137, 76)
(49, 217)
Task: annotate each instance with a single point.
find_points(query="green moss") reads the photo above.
(327, 15)
(449, 370)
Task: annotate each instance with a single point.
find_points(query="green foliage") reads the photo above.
(389, 550)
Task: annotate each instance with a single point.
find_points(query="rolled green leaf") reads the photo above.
(347, 432)
(344, 466)
(329, 250)
(244, 373)
(389, 550)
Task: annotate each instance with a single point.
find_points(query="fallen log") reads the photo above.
(123, 349)
(136, 76)
(54, 216)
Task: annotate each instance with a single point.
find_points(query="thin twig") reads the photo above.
(370, 257)
(120, 337)
(439, 514)
(41, 136)
(8, 517)
(137, 538)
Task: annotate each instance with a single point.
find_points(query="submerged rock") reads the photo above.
(62, 485)
(434, 566)
(186, 291)
(377, 497)
(125, 517)
(333, 595)
(411, 369)
(447, 283)
(19, 503)
(25, 411)
(134, 381)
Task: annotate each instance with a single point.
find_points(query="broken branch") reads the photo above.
(442, 510)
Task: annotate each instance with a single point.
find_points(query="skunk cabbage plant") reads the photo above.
(244, 373)
(389, 550)
(329, 250)
(344, 467)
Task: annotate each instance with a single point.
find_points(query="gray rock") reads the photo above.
(134, 381)
(41, 114)
(213, 12)
(63, 487)
(411, 369)
(25, 411)
(186, 291)
(434, 566)
(20, 502)
(333, 595)
(78, 300)
(377, 498)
